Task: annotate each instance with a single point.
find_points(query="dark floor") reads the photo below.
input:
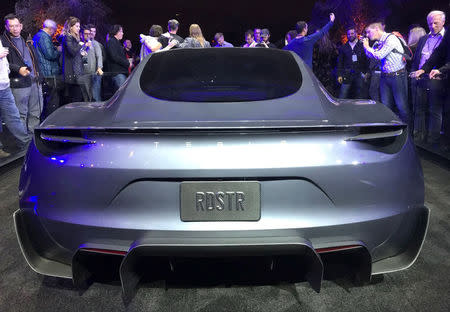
(423, 287)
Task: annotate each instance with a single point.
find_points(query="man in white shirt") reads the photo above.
(8, 109)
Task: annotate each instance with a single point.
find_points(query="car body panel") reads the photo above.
(332, 174)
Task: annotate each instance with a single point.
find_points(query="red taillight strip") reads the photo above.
(338, 248)
(107, 251)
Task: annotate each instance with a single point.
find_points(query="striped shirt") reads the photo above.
(390, 61)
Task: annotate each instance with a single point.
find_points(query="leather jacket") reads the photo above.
(16, 61)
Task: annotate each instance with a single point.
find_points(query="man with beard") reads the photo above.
(352, 64)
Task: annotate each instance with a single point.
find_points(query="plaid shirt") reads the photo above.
(390, 61)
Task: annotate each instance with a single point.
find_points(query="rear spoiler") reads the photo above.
(53, 141)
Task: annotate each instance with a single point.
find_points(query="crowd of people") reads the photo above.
(39, 74)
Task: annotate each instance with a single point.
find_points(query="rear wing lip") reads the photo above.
(81, 136)
(241, 126)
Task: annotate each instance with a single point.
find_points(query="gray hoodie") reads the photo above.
(4, 71)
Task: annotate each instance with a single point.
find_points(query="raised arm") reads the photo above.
(319, 34)
(151, 43)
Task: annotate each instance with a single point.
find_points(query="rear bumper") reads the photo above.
(47, 256)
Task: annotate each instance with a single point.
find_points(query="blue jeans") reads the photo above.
(10, 115)
(394, 94)
(118, 80)
(97, 87)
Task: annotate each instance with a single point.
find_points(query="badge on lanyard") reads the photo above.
(354, 58)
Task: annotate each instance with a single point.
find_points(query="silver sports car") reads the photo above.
(217, 154)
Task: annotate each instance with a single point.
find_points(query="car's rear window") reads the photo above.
(221, 75)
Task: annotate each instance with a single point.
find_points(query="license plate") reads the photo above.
(220, 201)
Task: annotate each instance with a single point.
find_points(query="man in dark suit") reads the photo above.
(352, 65)
(428, 95)
(439, 67)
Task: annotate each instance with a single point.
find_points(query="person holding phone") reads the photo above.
(25, 77)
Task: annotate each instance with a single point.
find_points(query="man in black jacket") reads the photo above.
(25, 74)
(171, 34)
(428, 95)
(117, 61)
(352, 65)
(439, 59)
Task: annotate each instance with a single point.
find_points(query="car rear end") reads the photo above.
(307, 189)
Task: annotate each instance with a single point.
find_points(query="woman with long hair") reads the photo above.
(72, 61)
(325, 56)
(195, 39)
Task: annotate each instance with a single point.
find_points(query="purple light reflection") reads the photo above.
(34, 199)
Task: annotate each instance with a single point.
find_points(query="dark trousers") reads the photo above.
(428, 96)
(446, 117)
(73, 93)
(78, 92)
(374, 86)
(51, 90)
(352, 82)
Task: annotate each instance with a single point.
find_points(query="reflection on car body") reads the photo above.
(220, 153)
